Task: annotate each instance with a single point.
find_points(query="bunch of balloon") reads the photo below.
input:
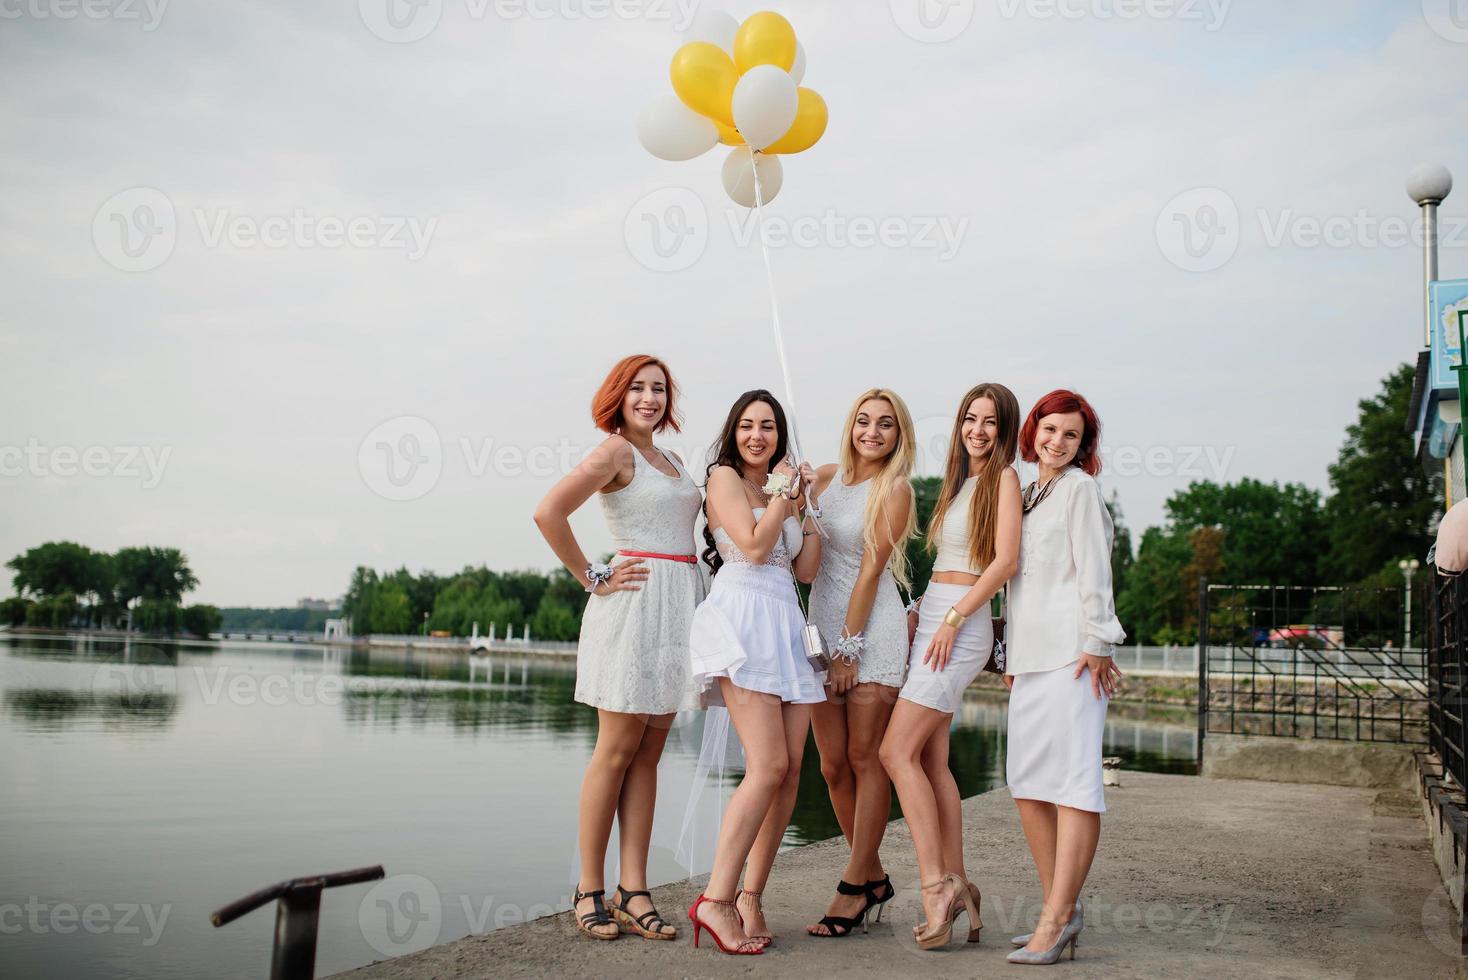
(737, 84)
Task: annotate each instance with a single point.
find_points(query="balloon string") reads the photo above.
(759, 217)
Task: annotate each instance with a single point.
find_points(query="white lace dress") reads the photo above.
(749, 628)
(843, 515)
(633, 652)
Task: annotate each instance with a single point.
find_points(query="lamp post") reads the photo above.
(1409, 568)
(1429, 185)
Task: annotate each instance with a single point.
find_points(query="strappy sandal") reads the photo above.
(838, 926)
(648, 925)
(877, 903)
(749, 947)
(596, 917)
(765, 938)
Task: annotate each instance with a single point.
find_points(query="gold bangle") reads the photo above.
(953, 617)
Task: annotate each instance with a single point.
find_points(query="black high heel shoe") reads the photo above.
(877, 903)
(838, 926)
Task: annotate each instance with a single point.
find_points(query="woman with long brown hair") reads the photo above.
(975, 529)
(867, 509)
(632, 657)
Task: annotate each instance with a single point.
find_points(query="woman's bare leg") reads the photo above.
(618, 737)
(908, 732)
(635, 812)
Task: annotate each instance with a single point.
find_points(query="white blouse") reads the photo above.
(1060, 602)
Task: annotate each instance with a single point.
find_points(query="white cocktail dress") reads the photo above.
(884, 656)
(749, 628)
(632, 655)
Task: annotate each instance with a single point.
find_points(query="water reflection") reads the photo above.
(188, 774)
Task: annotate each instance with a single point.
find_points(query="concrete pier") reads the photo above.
(1194, 877)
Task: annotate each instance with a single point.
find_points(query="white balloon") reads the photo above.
(669, 130)
(765, 103)
(797, 70)
(739, 176)
(715, 26)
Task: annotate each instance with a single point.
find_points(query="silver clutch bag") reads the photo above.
(815, 649)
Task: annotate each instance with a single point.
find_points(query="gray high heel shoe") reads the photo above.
(1020, 942)
(1051, 956)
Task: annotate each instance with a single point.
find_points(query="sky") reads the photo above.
(300, 287)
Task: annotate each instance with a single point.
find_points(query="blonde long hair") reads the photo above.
(896, 469)
(983, 510)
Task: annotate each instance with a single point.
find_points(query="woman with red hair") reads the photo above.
(632, 661)
(1062, 628)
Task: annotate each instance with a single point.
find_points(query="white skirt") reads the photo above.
(749, 630)
(1056, 723)
(942, 690)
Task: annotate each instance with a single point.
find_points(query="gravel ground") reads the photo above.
(1194, 877)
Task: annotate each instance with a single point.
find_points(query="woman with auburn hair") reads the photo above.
(632, 657)
(749, 657)
(866, 506)
(975, 529)
(1062, 629)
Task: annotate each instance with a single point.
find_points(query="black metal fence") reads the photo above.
(1315, 662)
(1445, 674)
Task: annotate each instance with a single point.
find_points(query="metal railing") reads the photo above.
(1268, 666)
(1447, 659)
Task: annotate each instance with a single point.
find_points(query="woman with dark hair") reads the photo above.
(632, 658)
(975, 530)
(1062, 629)
(749, 657)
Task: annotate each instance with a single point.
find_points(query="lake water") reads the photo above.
(147, 784)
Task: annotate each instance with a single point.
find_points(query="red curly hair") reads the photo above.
(606, 404)
(1063, 402)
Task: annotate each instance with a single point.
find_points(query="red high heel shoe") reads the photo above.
(750, 947)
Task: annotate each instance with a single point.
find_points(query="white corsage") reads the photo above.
(596, 574)
(778, 484)
(849, 648)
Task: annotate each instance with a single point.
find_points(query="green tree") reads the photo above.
(1385, 506)
(554, 620)
(392, 611)
(1272, 532)
(925, 491)
(159, 574)
(200, 620)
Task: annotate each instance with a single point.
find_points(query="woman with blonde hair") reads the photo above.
(866, 507)
(976, 531)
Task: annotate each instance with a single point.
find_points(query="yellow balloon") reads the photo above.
(765, 38)
(704, 77)
(728, 135)
(811, 117)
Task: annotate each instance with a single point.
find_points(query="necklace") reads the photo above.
(756, 488)
(1035, 494)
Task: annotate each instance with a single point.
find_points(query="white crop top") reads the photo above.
(953, 550)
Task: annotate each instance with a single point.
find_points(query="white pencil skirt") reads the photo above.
(1056, 723)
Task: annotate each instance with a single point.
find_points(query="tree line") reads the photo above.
(61, 584)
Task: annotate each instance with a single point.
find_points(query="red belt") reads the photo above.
(686, 559)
